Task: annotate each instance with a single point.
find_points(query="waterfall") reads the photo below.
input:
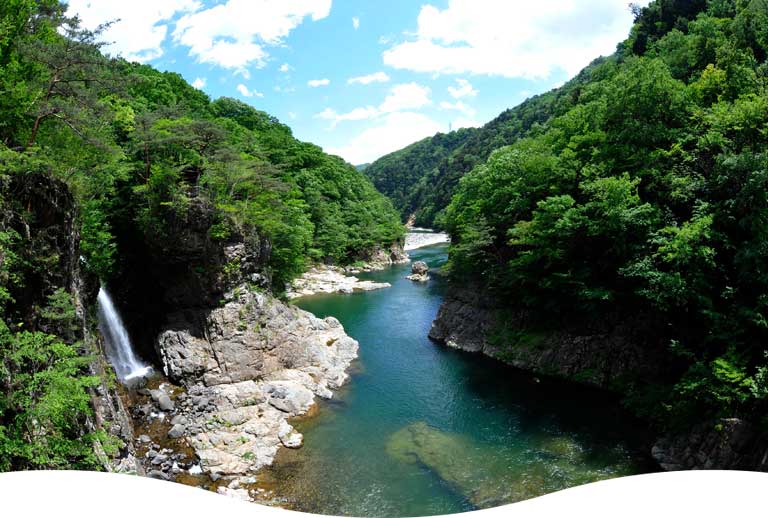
(118, 345)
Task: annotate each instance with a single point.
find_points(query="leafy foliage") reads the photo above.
(138, 146)
(93, 150)
(643, 191)
(422, 178)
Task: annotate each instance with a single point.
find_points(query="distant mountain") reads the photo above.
(362, 167)
(421, 178)
(402, 175)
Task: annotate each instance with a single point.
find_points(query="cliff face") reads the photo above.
(46, 219)
(239, 362)
(181, 268)
(607, 354)
(724, 444)
(246, 367)
(604, 353)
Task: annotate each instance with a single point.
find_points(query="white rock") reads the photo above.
(329, 279)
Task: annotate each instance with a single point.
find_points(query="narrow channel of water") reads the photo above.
(422, 430)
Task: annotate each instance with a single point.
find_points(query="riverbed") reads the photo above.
(421, 429)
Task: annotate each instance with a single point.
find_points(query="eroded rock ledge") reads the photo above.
(246, 368)
(329, 279)
(607, 354)
(335, 279)
(724, 444)
(603, 354)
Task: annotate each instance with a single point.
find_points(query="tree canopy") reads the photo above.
(127, 149)
(644, 192)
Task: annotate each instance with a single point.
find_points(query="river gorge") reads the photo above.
(421, 429)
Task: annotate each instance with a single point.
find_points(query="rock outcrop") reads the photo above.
(725, 444)
(603, 353)
(48, 223)
(246, 368)
(240, 363)
(382, 257)
(419, 272)
(329, 279)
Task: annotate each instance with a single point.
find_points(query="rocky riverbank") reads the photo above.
(606, 354)
(384, 257)
(334, 279)
(242, 371)
(330, 279)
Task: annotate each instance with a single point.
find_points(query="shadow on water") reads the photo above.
(421, 429)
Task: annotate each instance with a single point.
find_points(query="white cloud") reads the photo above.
(314, 83)
(245, 92)
(378, 77)
(459, 106)
(292, 115)
(512, 39)
(233, 34)
(358, 114)
(285, 68)
(408, 96)
(142, 25)
(199, 83)
(462, 122)
(356, 22)
(394, 131)
(464, 89)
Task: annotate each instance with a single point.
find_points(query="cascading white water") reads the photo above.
(118, 345)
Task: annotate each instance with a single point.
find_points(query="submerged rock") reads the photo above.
(451, 457)
(480, 473)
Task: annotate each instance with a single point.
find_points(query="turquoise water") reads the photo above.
(421, 429)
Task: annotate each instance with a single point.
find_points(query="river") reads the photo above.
(421, 429)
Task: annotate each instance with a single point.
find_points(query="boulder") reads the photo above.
(419, 272)
(177, 431)
(165, 403)
(289, 437)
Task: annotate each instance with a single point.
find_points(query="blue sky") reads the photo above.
(364, 78)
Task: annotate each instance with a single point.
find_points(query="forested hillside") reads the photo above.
(421, 178)
(403, 175)
(645, 193)
(95, 151)
(127, 136)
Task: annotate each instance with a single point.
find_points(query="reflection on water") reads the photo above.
(422, 429)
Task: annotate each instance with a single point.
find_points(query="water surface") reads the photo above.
(421, 429)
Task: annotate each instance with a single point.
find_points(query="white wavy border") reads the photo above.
(679, 494)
